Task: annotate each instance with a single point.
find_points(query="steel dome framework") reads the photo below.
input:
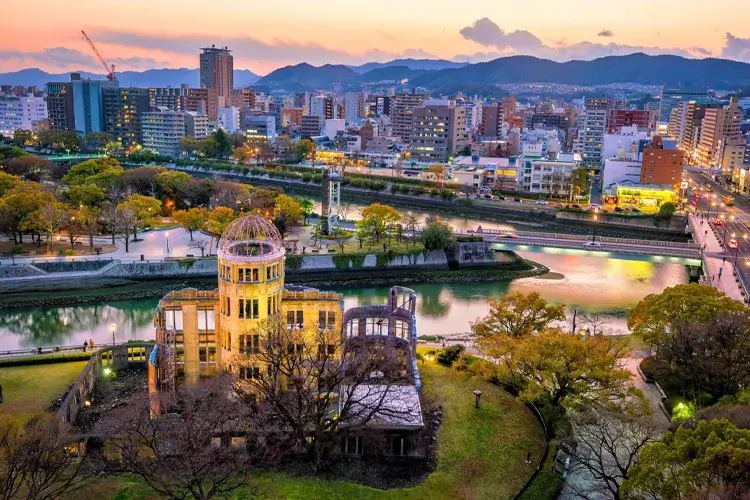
(251, 237)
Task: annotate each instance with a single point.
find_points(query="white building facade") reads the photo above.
(23, 113)
(547, 176)
(229, 119)
(628, 139)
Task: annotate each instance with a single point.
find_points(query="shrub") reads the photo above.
(465, 201)
(434, 192)
(293, 262)
(450, 355)
(418, 190)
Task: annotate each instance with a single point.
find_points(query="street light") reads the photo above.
(477, 398)
(112, 329)
(167, 234)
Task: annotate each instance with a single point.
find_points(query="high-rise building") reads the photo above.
(261, 129)
(123, 108)
(508, 105)
(242, 98)
(229, 119)
(162, 131)
(217, 72)
(323, 106)
(438, 131)
(60, 106)
(196, 125)
(402, 113)
(88, 111)
(694, 112)
(173, 98)
(661, 166)
(591, 133)
(354, 106)
(22, 113)
(492, 119)
(619, 118)
(310, 126)
(291, 116)
(205, 101)
(720, 126)
(670, 96)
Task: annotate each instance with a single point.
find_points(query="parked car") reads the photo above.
(594, 205)
(718, 222)
(541, 202)
(517, 199)
(592, 244)
(732, 244)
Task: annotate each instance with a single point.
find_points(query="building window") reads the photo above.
(250, 344)
(326, 320)
(249, 373)
(173, 319)
(400, 446)
(324, 349)
(294, 319)
(248, 309)
(206, 320)
(248, 275)
(353, 445)
(298, 348)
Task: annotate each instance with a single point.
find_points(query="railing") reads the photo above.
(677, 252)
(581, 237)
(39, 350)
(743, 285)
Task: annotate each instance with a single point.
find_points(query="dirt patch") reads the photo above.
(551, 276)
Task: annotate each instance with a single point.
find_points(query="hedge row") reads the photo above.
(46, 359)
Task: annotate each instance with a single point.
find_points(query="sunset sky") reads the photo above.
(143, 34)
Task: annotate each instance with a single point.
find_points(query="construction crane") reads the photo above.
(109, 69)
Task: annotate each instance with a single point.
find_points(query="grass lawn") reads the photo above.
(633, 342)
(482, 453)
(351, 246)
(30, 390)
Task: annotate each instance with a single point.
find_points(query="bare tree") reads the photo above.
(572, 316)
(341, 236)
(40, 460)
(207, 446)
(124, 220)
(411, 224)
(608, 444)
(201, 245)
(363, 380)
(595, 321)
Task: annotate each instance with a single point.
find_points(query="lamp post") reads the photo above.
(477, 398)
(167, 234)
(112, 329)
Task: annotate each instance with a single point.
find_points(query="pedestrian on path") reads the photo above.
(701, 222)
(723, 260)
(721, 269)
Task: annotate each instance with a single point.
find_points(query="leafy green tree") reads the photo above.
(656, 315)
(8, 182)
(96, 141)
(48, 219)
(223, 143)
(17, 206)
(579, 179)
(436, 235)
(237, 139)
(193, 219)
(710, 461)
(22, 137)
(208, 147)
(219, 219)
(95, 171)
(29, 167)
(517, 315)
(172, 184)
(144, 210)
(307, 208)
(287, 207)
(302, 149)
(380, 219)
(89, 195)
(666, 212)
(190, 145)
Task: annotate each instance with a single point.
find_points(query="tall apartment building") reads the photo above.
(438, 131)
(242, 98)
(619, 118)
(22, 113)
(508, 106)
(229, 119)
(547, 176)
(123, 108)
(694, 112)
(591, 135)
(323, 106)
(492, 119)
(205, 101)
(310, 125)
(354, 106)
(217, 72)
(60, 106)
(173, 98)
(88, 111)
(732, 156)
(302, 100)
(719, 126)
(162, 131)
(661, 166)
(291, 116)
(402, 113)
(670, 96)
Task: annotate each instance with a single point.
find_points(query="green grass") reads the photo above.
(482, 453)
(30, 390)
(632, 341)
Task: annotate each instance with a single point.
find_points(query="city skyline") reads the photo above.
(265, 37)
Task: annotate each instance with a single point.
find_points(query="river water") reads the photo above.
(606, 285)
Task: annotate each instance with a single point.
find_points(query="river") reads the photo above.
(609, 286)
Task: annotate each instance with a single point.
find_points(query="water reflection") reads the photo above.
(610, 286)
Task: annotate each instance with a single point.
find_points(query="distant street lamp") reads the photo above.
(167, 234)
(477, 398)
(112, 329)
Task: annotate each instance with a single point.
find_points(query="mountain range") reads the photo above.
(147, 78)
(440, 74)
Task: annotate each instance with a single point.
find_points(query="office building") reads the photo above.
(310, 126)
(719, 126)
(621, 169)
(229, 119)
(661, 166)
(402, 113)
(123, 108)
(438, 131)
(172, 98)
(670, 96)
(196, 125)
(619, 118)
(243, 98)
(60, 106)
(217, 72)
(547, 176)
(261, 129)
(22, 113)
(627, 139)
(88, 109)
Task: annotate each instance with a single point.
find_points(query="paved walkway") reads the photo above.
(720, 270)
